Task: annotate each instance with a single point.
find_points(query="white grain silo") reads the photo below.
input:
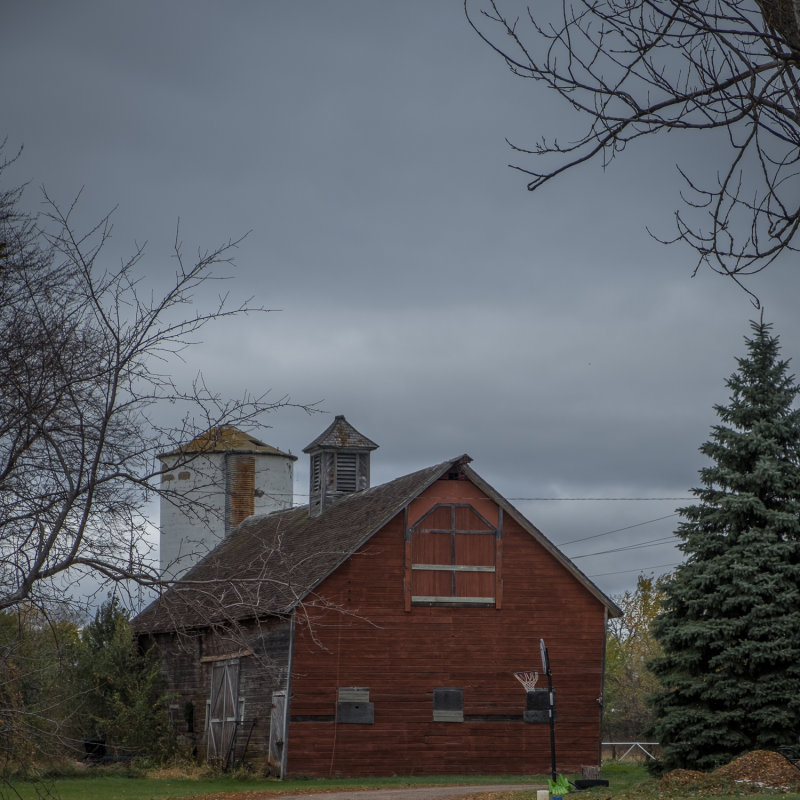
(213, 483)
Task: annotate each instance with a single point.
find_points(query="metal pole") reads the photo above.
(551, 710)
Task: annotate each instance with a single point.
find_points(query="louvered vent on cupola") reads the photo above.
(339, 464)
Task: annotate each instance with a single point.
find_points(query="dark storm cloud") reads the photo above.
(424, 293)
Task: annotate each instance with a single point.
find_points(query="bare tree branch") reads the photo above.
(86, 354)
(633, 69)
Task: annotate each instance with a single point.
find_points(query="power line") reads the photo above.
(579, 499)
(549, 499)
(616, 530)
(638, 546)
(595, 535)
(639, 569)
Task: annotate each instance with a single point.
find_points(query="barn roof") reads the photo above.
(271, 563)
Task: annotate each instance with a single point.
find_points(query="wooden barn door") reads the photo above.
(223, 711)
(277, 733)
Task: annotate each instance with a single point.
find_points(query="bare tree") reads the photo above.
(636, 68)
(85, 370)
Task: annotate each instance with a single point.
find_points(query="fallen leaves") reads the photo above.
(761, 768)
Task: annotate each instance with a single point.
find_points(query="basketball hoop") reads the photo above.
(527, 679)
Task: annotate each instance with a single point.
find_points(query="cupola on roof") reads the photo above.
(341, 435)
(339, 464)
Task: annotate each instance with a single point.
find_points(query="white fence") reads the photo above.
(631, 751)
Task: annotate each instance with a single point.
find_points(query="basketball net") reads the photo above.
(527, 679)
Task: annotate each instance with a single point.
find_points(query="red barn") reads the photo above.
(377, 631)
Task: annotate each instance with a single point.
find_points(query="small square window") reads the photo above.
(353, 706)
(448, 704)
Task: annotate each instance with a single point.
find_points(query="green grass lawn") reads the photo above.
(626, 782)
(99, 786)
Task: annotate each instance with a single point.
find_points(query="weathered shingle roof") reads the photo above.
(270, 563)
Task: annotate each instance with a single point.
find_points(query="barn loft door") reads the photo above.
(224, 711)
(454, 558)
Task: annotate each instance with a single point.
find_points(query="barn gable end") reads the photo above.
(440, 673)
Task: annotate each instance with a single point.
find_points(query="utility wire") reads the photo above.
(639, 569)
(544, 499)
(638, 546)
(616, 530)
(577, 499)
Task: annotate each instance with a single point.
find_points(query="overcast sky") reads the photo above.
(423, 292)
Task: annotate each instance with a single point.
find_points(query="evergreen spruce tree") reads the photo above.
(730, 625)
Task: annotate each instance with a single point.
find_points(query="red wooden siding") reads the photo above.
(402, 652)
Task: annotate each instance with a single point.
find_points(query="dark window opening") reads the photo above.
(188, 716)
(353, 706)
(448, 704)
